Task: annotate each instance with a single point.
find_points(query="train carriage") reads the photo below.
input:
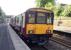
(13, 22)
(18, 22)
(37, 25)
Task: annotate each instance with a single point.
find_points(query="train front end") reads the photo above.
(39, 26)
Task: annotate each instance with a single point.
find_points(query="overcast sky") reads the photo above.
(15, 7)
(64, 1)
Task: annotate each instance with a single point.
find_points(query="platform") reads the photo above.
(5, 39)
(18, 43)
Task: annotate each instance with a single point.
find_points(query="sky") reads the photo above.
(64, 1)
(15, 7)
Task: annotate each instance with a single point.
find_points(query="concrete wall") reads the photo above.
(65, 21)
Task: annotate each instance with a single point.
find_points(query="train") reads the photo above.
(35, 25)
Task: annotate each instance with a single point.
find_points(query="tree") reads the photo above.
(59, 9)
(0, 12)
(43, 3)
(68, 11)
(2, 15)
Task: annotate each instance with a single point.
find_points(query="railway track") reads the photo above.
(61, 41)
(38, 48)
(55, 39)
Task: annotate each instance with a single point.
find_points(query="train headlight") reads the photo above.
(48, 31)
(30, 31)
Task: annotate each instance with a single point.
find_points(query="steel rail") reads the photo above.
(61, 41)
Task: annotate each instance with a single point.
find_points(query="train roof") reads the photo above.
(40, 10)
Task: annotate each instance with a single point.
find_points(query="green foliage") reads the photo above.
(63, 10)
(2, 15)
(0, 11)
(43, 3)
(69, 14)
(67, 11)
(59, 10)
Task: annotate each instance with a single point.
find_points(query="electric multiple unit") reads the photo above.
(35, 25)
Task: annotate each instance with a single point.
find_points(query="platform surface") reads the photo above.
(5, 39)
(18, 43)
(9, 40)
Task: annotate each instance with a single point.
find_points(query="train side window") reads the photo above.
(17, 20)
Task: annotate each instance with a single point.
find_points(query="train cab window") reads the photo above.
(31, 18)
(41, 18)
(49, 19)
